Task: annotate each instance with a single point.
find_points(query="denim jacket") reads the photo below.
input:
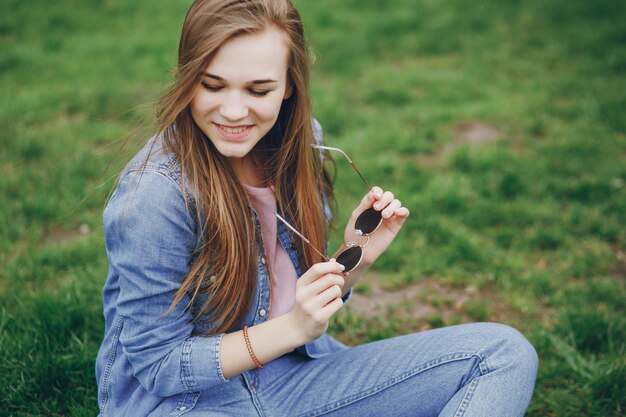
(149, 360)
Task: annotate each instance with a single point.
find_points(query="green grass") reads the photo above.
(536, 216)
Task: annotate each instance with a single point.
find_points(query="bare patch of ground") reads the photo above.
(431, 303)
(57, 236)
(476, 133)
(471, 133)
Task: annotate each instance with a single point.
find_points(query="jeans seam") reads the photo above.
(107, 370)
(460, 412)
(471, 388)
(186, 375)
(380, 387)
(256, 401)
(217, 356)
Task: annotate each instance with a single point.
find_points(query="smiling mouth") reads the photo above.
(233, 130)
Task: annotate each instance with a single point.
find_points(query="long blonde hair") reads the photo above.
(229, 237)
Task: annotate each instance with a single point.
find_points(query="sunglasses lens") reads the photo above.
(368, 221)
(350, 258)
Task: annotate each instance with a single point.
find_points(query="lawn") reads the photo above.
(500, 124)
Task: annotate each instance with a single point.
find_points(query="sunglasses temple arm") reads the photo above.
(301, 236)
(330, 148)
(362, 177)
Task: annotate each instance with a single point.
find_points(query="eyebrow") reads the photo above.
(218, 78)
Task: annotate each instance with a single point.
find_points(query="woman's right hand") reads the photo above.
(318, 297)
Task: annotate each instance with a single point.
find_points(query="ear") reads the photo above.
(288, 91)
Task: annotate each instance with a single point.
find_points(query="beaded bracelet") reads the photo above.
(256, 361)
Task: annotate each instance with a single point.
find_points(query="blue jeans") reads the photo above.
(472, 370)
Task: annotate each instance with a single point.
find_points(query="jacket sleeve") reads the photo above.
(150, 240)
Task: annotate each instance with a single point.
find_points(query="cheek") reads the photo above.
(195, 107)
(201, 104)
(269, 110)
(200, 112)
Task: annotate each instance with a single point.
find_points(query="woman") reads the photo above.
(219, 295)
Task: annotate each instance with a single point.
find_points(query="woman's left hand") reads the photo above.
(393, 214)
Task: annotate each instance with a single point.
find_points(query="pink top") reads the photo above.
(283, 274)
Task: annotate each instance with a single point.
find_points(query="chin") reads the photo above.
(236, 152)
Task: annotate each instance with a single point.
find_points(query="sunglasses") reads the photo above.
(365, 225)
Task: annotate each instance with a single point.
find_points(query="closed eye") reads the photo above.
(210, 87)
(258, 93)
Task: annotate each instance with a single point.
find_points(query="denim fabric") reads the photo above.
(150, 361)
(472, 370)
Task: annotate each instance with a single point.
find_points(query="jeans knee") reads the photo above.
(510, 348)
(518, 351)
(529, 354)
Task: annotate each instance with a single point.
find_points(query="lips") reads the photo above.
(234, 132)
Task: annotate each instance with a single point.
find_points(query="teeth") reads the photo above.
(232, 130)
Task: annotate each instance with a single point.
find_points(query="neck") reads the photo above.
(248, 170)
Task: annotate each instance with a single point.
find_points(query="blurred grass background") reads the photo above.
(500, 124)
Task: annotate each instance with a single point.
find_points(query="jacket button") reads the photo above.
(182, 408)
(263, 261)
(262, 312)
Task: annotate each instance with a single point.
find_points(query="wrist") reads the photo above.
(292, 331)
(353, 277)
(360, 269)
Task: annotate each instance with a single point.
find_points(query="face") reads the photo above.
(241, 92)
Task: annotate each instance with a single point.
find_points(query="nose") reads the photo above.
(234, 107)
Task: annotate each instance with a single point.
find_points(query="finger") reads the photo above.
(376, 192)
(384, 201)
(324, 313)
(327, 296)
(323, 283)
(369, 199)
(391, 208)
(396, 221)
(320, 269)
(333, 307)
(402, 212)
